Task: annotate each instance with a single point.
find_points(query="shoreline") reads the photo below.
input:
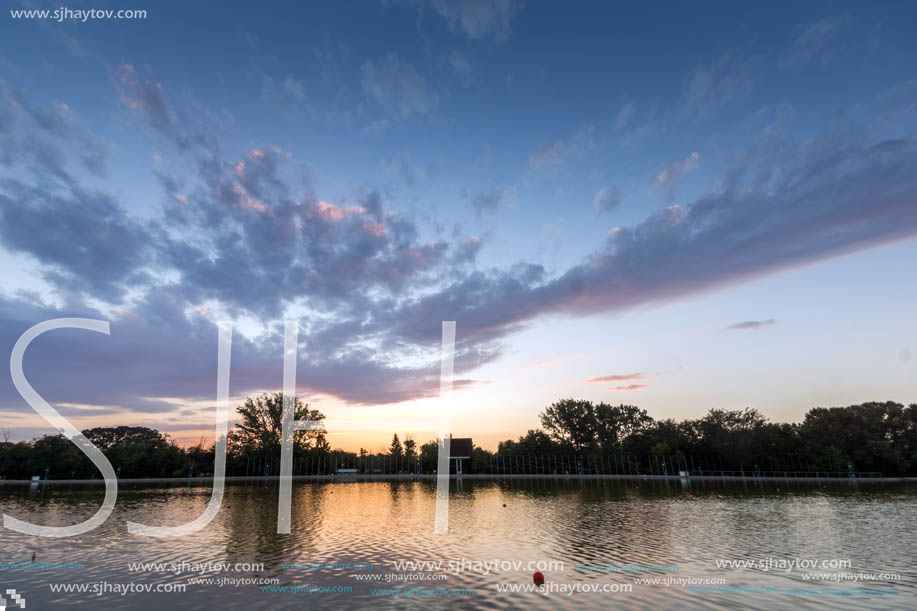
(355, 477)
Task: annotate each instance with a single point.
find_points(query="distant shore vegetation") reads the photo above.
(877, 437)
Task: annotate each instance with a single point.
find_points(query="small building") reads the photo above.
(460, 449)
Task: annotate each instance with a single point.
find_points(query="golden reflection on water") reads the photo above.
(571, 521)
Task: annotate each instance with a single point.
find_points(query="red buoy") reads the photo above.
(538, 578)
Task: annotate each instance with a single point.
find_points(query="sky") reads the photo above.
(681, 206)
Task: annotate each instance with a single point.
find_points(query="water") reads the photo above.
(571, 521)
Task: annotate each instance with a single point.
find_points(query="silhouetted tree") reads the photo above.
(395, 449)
(410, 448)
(570, 422)
(262, 423)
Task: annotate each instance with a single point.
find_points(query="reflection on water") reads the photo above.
(573, 521)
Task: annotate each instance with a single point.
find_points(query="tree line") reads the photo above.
(575, 436)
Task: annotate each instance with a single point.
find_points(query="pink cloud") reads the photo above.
(676, 168)
(547, 155)
(617, 377)
(145, 96)
(245, 200)
(331, 212)
(628, 387)
(377, 229)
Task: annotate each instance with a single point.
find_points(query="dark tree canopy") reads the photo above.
(107, 437)
(395, 449)
(262, 424)
(581, 424)
(410, 447)
(875, 436)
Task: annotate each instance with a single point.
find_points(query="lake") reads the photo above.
(706, 544)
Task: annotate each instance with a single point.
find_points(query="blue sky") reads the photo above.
(680, 206)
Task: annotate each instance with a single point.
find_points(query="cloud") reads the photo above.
(617, 377)
(608, 199)
(548, 154)
(397, 85)
(669, 175)
(247, 236)
(84, 239)
(285, 96)
(752, 325)
(490, 200)
(461, 67)
(812, 45)
(479, 18)
(673, 170)
(398, 165)
(95, 155)
(244, 232)
(293, 88)
(628, 387)
(625, 115)
(374, 128)
(58, 118)
(466, 251)
(155, 350)
(147, 97)
(237, 238)
(709, 87)
(554, 153)
(831, 199)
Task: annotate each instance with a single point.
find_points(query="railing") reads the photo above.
(547, 464)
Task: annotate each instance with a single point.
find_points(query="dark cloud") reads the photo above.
(84, 239)
(466, 251)
(489, 200)
(832, 197)
(56, 119)
(398, 165)
(147, 97)
(248, 236)
(161, 349)
(608, 199)
(95, 156)
(752, 325)
(44, 159)
(628, 387)
(249, 240)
